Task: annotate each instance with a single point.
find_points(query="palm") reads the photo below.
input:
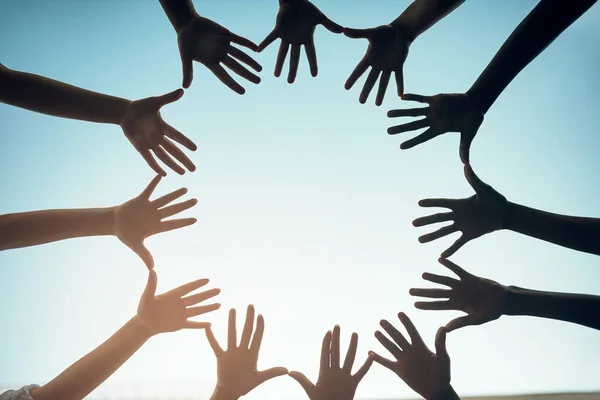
(431, 368)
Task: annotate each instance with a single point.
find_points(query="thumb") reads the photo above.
(170, 97)
(144, 254)
(464, 147)
(358, 33)
(271, 373)
(188, 72)
(440, 342)
(303, 381)
(459, 322)
(150, 289)
(477, 184)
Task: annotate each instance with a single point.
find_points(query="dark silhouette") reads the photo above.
(140, 120)
(464, 112)
(295, 25)
(237, 372)
(209, 43)
(425, 372)
(485, 300)
(488, 211)
(132, 222)
(389, 44)
(335, 380)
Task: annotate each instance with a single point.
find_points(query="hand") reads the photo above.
(209, 43)
(237, 372)
(334, 382)
(146, 130)
(482, 299)
(170, 311)
(140, 218)
(446, 113)
(475, 216)
(296, 23)
(388, 49)
(426, 373)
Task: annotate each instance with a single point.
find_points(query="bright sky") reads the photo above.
(305, 203)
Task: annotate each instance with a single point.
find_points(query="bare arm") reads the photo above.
(179, 12)
(421, 15)
(543, 24)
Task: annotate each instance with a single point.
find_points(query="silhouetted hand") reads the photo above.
(335, 381)
(148, 132)
(425, 372)
(387, 51)
(209, 43)
(140, 218)
(482, 299)
(446, 113)
(237, 372)
(170, 311)
(475, 216)
(295, 25)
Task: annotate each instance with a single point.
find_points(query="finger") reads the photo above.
(453, 267)
(330, 25)
(433, 219)
(199, 310)
(460, 242)
(409, 112)
(187, 65)
(248, 326)
(442, 203)
(368, 86)
(335, 347)
(232, 331)
(360, 33)
(241, 70)
(169, 97)
(200, 297)
(180, 138)
(440, 343)
(168, 161)
(389, 364)
(189, 287)
(271, 37)
(387, 343)
(409, 126)
(430, 293)
(306, 384)
(360, 69)
(210, 336)
(460, 322)
(144, 254)
(258, 335)
(477, 184)
(395, 334)
(364, 368)
(196, 325)
(176, 208)
(311, 56)
(245, 58)
(400, 82)
(351, 354)
(325, 353)
(410, 328)
(152, 162)
(227, 79)
(294, 63)
(242, 41)
(173, 150)
(434, 305)
(150, 289)
(281, 54)
(271, 373)
(445, 231)
(167, 198)
(383, 84)
(172, 224)
(442, 280)
(147, 192)
(422, 138)
(415, 97)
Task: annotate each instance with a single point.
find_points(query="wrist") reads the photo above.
(447, 393)
(403, 31)
(508, 219)
(511, 300)
(221, 393)
(141, 329)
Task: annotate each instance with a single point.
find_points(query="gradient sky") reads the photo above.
(305, 203)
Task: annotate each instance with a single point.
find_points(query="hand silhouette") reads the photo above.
(335, 381)
(475, 216)
(170, 311)
(139, 218)
(446, 113)
(147, 131)
(482, 299)
(237, 372)
(295, 25)
(426, 373)
(209, 43)
(387, 51)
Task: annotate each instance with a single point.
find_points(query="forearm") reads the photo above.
(448, 394)
(580, 309)
(421, 15)
(81, 378)
(179, 12)
(578, 233)
(47, 96)
(39, 227)
(543, 24)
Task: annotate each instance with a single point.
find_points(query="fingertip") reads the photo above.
(411, 292)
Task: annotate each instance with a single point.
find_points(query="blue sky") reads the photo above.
(305, 203)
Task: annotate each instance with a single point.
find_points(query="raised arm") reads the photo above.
(543, 24)
(179, 12)
(421, 15)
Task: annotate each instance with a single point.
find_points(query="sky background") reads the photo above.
(305, 203)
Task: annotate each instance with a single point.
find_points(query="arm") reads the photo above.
(543, 24)
(582, 309)
(421, 15)
(179, 12)
(47, 96)
(577, 233)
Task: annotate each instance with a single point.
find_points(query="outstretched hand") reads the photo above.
(425, 372)
(171, 311)
(148, 132)
(335, 381)
(446, 113)
(387, 51)
(209, 43)
(237, 371)
(141, 217)
(482, 299)
(482, 213)
(295, 25)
